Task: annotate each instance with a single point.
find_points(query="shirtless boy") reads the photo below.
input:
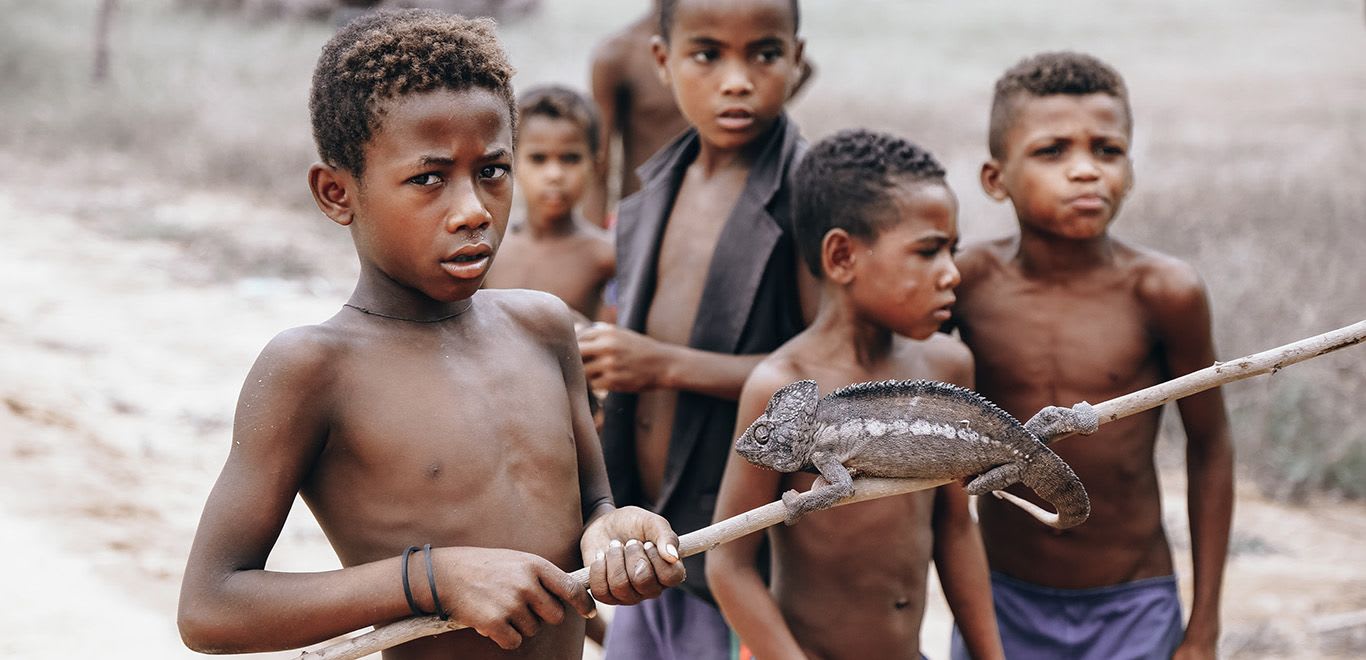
(709, 283)
(553, 249)
(876, 223)
(425, 411)
(636, 107)
(1063, 312)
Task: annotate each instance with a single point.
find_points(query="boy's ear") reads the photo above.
(334, 191)
(838, 256)
(991, 180)
(660, 49)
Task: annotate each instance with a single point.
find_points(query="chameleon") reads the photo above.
(916, 429)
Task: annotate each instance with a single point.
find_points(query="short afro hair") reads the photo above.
(667, 8)
(560, 102)
(385, 55)
(1048, 74)
(844, 181)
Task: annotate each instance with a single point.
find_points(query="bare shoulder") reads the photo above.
(1166, 286)
(304, 353)
(978, 261)
(610, 55)
(540, 314)
(598, 243)
(776, 371)
(947, 359)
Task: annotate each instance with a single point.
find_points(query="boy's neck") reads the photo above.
(1042, 255)
(845, 332)
(711, 159)
(546, 226)
(377, 294)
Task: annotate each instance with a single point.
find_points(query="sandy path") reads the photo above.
(126, 334)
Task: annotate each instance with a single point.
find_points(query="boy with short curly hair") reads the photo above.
(1063, 312)
(876, 223)
(440, 434)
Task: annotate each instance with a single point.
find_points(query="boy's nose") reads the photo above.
(950, 278)
(736, 80)
(468, 213)
(1083, 169)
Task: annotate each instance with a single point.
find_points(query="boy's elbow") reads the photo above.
(204, 631)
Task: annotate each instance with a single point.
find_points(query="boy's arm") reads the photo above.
(1181, 318)
(605, 83)
(230, 603)
(632, 554)
(622, 360)
(962, 565)
(732, 573)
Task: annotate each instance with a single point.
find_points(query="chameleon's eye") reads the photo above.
(761, 434)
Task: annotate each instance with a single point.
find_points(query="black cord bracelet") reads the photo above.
(407, 589)
(431, 582)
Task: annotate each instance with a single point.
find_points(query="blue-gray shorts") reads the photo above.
(1136, 620)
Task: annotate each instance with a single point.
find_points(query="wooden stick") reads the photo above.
(869, 488)
(1222, 373)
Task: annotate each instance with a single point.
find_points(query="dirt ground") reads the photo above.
(126, 338)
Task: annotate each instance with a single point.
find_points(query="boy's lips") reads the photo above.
(735, 119)
(1088, 202)
(469, 262)
(944, 312)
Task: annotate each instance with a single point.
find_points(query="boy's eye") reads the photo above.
(1050, 150)
(537, 159)
(704, 56)
(426, 179)
(571, 159)
(1110, 150)
(769, 55)
(494, 171)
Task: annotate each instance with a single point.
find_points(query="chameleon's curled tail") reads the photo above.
(1054, 481)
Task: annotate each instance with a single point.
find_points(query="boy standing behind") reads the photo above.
(440, 434)
(1063, 313)
(709, 283)
(876, 223)
(554, 249)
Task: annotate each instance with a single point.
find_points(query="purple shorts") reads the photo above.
(1136, 620)
(675, 626)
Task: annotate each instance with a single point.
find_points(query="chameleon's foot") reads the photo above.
(1054, 421)
(793, 501)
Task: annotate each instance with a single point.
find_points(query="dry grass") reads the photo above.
(1251, 122)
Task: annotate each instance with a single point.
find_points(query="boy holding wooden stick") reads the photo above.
(1061, 313)
(439, 433)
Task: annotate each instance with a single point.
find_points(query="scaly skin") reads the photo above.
(916, 429)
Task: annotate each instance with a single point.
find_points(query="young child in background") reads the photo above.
(553, 249)
(440, 434)
(710, 282)
(1063, 312)
(876, 224)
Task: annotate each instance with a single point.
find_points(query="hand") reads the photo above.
(1193, 650)
(620, 360)
(632, 555)
(504, 595)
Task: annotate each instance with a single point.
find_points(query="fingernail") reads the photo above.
(615, 543)
(628, 543)
(671, 550)
(649, 544)
(593, 614)
(600, 556)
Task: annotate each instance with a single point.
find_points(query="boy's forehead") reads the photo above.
(558, 130)
(473, 113)
(746, 20)
(1032, 116)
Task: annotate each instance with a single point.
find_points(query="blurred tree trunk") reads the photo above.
(104, 19)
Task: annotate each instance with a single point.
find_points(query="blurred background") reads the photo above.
(156, 231)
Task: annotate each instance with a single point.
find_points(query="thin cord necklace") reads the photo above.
(372, 312)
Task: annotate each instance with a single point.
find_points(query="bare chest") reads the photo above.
(690, 237)
(1063, 346)
(566, 269)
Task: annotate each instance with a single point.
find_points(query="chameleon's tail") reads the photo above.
(1054, 481)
